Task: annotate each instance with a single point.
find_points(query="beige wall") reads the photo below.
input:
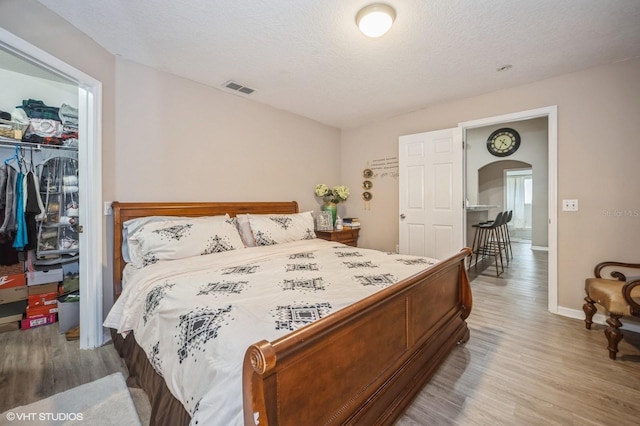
(177, 140)
(598, 157)
(285, 155)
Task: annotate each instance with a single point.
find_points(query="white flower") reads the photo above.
(321, 190)
(336, 194)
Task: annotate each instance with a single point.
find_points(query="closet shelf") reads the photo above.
(4, 141)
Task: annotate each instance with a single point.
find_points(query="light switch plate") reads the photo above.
(108, 210)
(570, 205)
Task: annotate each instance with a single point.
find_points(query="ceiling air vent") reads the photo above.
(238, 87)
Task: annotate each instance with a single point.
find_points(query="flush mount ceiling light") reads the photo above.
(375, 20)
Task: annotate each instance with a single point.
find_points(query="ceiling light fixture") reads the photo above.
(375, 20)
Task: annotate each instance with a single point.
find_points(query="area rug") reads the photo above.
(103, 402)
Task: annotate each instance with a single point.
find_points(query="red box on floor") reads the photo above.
(14, 280)
(42, 310)
(37, 321)
(43, 299)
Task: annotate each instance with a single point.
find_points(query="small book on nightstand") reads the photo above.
(351, 223)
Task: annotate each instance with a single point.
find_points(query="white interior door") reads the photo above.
(431, 219)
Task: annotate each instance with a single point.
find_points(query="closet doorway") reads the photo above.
(89, 96)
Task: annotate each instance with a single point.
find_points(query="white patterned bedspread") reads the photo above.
(196, 317)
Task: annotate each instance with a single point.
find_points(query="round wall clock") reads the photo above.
(503, 142)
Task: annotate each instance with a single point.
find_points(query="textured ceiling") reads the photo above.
(308, 57)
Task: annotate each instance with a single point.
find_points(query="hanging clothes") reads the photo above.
(31, 210)
(8, 255)
(21, 239)
(8, 193)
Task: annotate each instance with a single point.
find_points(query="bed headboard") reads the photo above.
(125, 211)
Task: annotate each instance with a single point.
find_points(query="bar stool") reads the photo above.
(506, 237)
(487, 241)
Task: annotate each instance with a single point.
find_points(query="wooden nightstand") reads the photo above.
(346, 236)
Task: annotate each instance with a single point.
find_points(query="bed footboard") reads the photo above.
(363, 364)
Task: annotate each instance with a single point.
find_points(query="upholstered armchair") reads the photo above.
(619, 295)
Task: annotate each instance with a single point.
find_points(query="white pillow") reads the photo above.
(244, 227)
(178, 239)
(270, 229)
(132, 226)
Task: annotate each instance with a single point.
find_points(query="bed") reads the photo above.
(355, 362)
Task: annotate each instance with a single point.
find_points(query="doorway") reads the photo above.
(90, 192)
(549, 215)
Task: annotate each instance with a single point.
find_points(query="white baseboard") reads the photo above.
(627, 322)
(540, 248)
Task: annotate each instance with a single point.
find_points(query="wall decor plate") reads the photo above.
(367, 196)
(367, 184)
(367, 173)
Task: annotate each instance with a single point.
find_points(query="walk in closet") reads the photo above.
(40, 215)
(28, 72)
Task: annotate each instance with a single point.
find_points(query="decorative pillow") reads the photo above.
(132, 226)
(244, 227)
(270, 229)
(178, 239)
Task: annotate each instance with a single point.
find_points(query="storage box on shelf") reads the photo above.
(12, 129)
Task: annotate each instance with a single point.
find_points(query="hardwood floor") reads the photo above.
(40, 362)
(521, 366)
(526, 366)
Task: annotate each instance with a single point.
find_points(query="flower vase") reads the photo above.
(328, 206)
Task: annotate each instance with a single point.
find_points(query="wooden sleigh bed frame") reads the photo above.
(363, 364)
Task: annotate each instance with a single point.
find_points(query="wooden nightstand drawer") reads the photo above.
(346, 236)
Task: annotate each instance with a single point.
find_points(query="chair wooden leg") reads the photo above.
(589, 311)
(613, 333)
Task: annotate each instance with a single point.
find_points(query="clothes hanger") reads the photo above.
(16, 156)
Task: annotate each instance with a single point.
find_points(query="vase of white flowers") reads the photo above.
(331, 197)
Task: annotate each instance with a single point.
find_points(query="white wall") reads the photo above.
(17, 87)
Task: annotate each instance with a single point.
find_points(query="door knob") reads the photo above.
(402, 216)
